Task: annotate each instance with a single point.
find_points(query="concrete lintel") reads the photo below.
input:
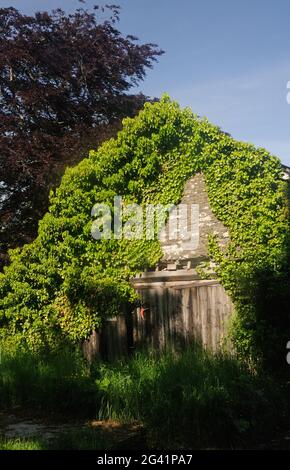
(178, 284)
(163, 276)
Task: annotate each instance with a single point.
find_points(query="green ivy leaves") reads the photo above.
(66, 282)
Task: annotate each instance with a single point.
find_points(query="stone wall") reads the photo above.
(176, 306)
(182, 251)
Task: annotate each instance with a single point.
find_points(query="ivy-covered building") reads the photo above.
(65, 285)
(182, 298)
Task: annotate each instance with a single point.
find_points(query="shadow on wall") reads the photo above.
(171, 315)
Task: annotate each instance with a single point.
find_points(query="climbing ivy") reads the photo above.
(65, 282)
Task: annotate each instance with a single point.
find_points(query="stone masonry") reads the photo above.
(181, 252)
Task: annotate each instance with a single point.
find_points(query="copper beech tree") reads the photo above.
(64, 87)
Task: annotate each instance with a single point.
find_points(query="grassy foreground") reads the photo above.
(83, 440)
(194, 399)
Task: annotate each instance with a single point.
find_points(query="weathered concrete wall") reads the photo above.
(179, 251)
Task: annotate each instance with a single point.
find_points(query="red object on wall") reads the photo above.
(142, 311)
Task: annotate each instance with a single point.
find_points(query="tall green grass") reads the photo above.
(59, 381)
(21, 444)
(191, 399)
(194, 399)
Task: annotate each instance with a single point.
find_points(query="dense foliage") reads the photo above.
(65, 282)
(64, 87)
(193, 400)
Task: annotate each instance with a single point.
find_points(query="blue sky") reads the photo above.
(228, 60)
